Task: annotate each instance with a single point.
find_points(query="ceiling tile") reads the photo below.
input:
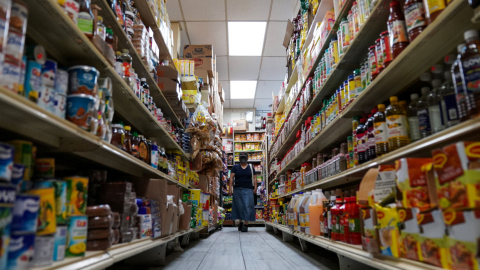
(265, 89)
(248, 10)
(263, 103)
(273, 68)
(242, 103)
(274, 39)
(222, 67)
(173, 9)
(282, 10)
(214, 33)
(244, 67)
(226, 88)
(226, 104)
(204, 10)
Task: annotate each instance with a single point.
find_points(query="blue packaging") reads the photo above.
(6, 161)
(7, 200)
(20, 251)
(33, 80)
(17, 175)
(25, 213)
(60, 243)
(61, 82)
(82, 80)
(80, 109)
(49, 70)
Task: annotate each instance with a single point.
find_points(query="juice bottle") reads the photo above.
(415, 18)
(316, 210)
(460, 90)
(361, 142)
(371, 135)
(471, 71)
(412, 118)
(397, 29)
(354, 222)
(396, 125)
(304, 212)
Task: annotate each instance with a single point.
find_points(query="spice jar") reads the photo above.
(397, 29)
(372, 62)
(118, 136)
(414, 18)
(386, 49)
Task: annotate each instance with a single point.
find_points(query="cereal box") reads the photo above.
(432, 238)
(457, 167)
(412, 189)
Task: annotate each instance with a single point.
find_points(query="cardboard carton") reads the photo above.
(156, 189)
(242, 125)
(184, 223)
(193, 51)
(168, 72)
(412, 188)
(168, 86)
(203, 74)
(432, 238)
(388, 232)
(202, 63)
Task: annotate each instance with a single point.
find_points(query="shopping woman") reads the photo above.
(243, 190)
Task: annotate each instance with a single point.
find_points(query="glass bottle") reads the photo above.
(127, 64)
(351, 26)
(101, 30)
(412, 118)
(397, 29)
(362, 142)
(135, 143)
(434, 107)
(85, 18)
(415, 18)
(396, 125)
(143, 149)
(471, 71)
(128, 139)
(371, 135)
(424, 114)
(380, 130)
(460, 92)
(109, 37)
(119, 64)
(146, 91)
(356, 17)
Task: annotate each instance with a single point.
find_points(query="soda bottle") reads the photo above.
(396, 125)
(380, 130)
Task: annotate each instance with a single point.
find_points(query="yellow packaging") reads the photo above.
(192, 68)
(77, 193)
(409, 239)
(182, 67)
(175, 62)
(47, 221)
(389, 234)
(189, 96)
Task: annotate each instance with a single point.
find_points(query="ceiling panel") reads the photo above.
(226, 104)
(226, 88)
(242, 103)
(274, 39)
(204, 10)
(282, 9)
(173, 9)
(248, 10)
(222, 67)
(273, 68)
(244, 67)
(263, 103)
(214, 33)
(265, 89)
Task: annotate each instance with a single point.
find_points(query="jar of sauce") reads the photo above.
(128, 139)
(434, 8)
(372, 62)
(415, 18)
(386, 49)
(397, 29)
(379, 54)
(118, 136)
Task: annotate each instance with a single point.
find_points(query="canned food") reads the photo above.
(11, 75)
(80, 110)
(77, 193)
(25, 213)
(60, 243)
(76, 246)
(46, 221)
(82, 80)
(6, 161)
(61, 82)
(45, 167)
(43, 254)
(17, 175)
(23, 155)
(60, 198)
(6, 204)
(20, 251)
(33, 80)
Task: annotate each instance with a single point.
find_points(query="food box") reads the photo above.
(432, 238)
(458, 175)
(412, 188)
(388, 232)
(410, 246)
(191, 51)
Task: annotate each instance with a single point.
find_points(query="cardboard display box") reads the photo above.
(203, 74)
(168, 72)
(242, 125)
(169, 86)
(202, 63)
(192, 51)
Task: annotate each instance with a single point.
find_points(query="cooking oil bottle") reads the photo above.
(397, 129)
(380, 131)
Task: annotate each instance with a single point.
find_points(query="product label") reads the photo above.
(85, 23)
(380, 132)
(387, 51)
(126, 69)
(154, 159)
(424, 120)
(415, 16)
(451, 107)
(302, 220)
(371, 138)
(397, 126)
(119, 68)
(361, 142)
(135, 150)
(397, 32)
(307, 220)
(471, 73)
(72, 8)
(330, 227)
(354, 225)
(379, 54)
(414, 128)
(436, 120)
(435, 5)
(372, 62)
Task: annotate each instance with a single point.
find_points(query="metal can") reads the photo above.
(43, 254)
(60, 243)
(76, 246)
(20, 251)
(46, 220)
(25, 213)
(7, 201)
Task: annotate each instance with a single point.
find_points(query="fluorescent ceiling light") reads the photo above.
(246, 38)
(242, 89)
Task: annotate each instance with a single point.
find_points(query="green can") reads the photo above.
(60, 198)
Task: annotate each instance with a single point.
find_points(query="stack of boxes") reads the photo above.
(156, 217)
(200, 207)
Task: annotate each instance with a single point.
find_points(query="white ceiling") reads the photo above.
(205, 22)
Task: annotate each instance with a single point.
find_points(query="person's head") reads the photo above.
(243, 158)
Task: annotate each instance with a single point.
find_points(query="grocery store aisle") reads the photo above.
(229, 249)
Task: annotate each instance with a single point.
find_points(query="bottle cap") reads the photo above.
(470, 34)
(135, 134)
(99, 18)
(128, 128)
(460, 47)
(143, 79)
(414, 97)
(425, 77)
(393, 99)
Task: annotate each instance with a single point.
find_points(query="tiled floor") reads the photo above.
(229, 249)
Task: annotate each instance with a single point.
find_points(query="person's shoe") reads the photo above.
(240, 226)
(244, 228)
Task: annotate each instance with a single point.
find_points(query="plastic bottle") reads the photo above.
(305, 213)
(471, 71)
(434, 107)
(371, 135)
(449, 102)
(316, 210)
(434, 8)
(362, 142)
(354, 222)
(119, 64)
(396, 125)
(337, 213)
(135, 143)
(344, 233)
(154, 156)
(424, 114)
(329, 215)
(101, 29)
(296, 211)
(380, 129)
(460, 91)
(143, 151)
(397, 29)
(415, 18)
(412, 118)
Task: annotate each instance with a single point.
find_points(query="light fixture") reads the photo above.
(246, 38)
(242, 89)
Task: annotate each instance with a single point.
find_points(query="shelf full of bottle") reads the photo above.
(369, 84)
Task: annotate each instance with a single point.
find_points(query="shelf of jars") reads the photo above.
(428, 48)
(77, 49)
(355, 252)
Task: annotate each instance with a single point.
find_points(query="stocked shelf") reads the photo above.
(76, 49)
(425, 50)
(247, 141)
(355, 252)
(27, 119)
(103, 259)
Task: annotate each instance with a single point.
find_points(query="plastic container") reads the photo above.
(396, 125)
(304, 213)
(296, 210)
(315, 209)
(290, 212)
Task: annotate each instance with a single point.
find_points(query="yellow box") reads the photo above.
(190, 96)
